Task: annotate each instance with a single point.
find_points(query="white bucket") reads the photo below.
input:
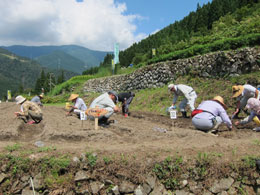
(173, 114)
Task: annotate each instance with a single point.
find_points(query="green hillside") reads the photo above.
(16, 72)
(235, 24)
(71, 55)
(61, 60)
(220, 25)
(21, 73)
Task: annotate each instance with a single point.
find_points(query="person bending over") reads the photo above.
(125, 98)
(108, 102)
(30, 112)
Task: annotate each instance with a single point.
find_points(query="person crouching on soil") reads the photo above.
(210, 114)
(253, 105)
(30, 112)
(37, 99)
(79, 105)
(243, 93)
(126, 99)
(189, 97)
(108, 102)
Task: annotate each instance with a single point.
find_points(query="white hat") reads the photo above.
(170, 87)
(19, 99)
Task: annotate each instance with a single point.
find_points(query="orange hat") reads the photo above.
(237, 90)
(220, 100)
(73, 96)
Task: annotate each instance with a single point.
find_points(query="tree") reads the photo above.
(61, 77)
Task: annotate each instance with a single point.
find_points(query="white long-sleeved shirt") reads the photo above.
(249, 91)
(182, 90)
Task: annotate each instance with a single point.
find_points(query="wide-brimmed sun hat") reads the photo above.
(41, 95)
(220, 100)
(19, 99)
(73, 96)
(170, 87)
(237, 90)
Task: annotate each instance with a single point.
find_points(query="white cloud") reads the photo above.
(95, 24)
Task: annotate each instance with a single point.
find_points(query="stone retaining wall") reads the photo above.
(218, 64)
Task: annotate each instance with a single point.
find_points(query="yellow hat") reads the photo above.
(73, 96)
(220, 100)
(237, 90)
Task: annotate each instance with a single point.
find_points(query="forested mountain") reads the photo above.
(219, 25)
(19, 73)
(59, 59)
(69, 57)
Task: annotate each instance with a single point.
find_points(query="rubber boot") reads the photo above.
(184, 114)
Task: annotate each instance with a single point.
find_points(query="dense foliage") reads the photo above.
(220, 25)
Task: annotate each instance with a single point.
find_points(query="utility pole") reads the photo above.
(50, 81)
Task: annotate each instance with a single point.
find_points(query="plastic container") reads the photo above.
(173, 114)
(67, 106)
(256, 120)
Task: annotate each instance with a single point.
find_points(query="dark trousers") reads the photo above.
(125, 106)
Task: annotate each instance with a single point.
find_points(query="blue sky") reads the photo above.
(158, 14)
(94, 24)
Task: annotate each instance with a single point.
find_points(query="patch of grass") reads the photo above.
(17, 164)
(46, 149)
(54, 165)
(107, 160)
(92, 159)
(168, 171)
(12, 148)
(249, 161)
(256, 142)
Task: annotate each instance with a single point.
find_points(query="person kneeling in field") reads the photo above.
(242, 93)
(30, 112)
(79, 105)
(108, 102)
(210, 114)
(253, 105)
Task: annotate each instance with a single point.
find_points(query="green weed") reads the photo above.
(92, 159)
(256, 142)
(107, 160)
(168, 170)
(12, 148)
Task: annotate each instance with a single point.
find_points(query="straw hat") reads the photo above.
(237, 90)
(19, 99)
(73, 96)
(41, 95)
(220, 100)
(170, 87)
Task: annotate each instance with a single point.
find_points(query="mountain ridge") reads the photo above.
(89, 58)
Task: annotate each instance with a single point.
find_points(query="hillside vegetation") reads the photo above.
(220, 25)
(19, 73)
(68, 57)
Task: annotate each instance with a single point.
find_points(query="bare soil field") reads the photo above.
(145, 135)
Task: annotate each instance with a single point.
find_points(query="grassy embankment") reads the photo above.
(156, 100)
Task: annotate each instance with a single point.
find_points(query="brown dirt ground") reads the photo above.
(136, 135)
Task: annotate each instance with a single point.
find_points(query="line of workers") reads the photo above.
(206, 117)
